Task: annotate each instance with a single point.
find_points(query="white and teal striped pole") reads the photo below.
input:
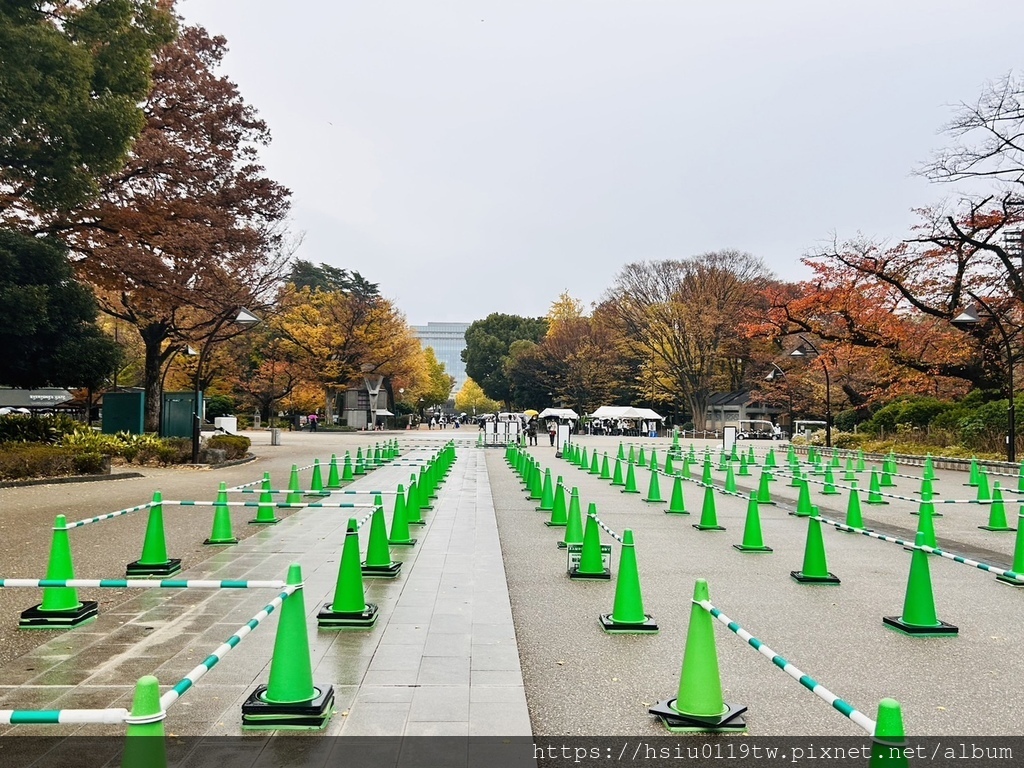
(806, 681)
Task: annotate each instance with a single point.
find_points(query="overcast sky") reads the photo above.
(481, 156)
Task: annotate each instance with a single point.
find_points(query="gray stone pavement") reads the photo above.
(441, 659)
(474, 638)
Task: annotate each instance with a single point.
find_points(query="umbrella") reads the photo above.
(530, 412)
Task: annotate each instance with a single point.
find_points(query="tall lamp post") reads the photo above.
(970, 318)
(775, 374)
(245, 318)
(807, 349)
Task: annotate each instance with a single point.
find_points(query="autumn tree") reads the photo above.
(471, 399)
(437, 387)
(684, 317)
(189, 230)
(72, 76)
(488, 342)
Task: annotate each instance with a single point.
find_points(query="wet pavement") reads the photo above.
(483, 633)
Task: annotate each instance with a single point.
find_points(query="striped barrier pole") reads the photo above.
(278, 504)
(1013, 575)
(915, 499)
(221, 651)
(806, 681)
(139, 584)
(327, 491)
(63, 716)
(109, 515)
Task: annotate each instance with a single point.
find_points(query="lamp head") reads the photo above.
(969, 317)
(245, 317)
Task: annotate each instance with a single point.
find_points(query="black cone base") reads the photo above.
(742, 548)
(897, 623)
(997, 530)
(340, 619)
(542, 509)
(575, 573)
(275, 521)
(33, 618)
(389, 571)
(700, 527)
(631, 490)
(406, 543)
(1010, 582)
(549, 524)
(417, 522)
(731, 721)
(313, 715)
(220, 542)
(653, 501)
(934, 514)
(876, 503)
(608, 624)
(670, 512)
(805, 579)
(138, 570)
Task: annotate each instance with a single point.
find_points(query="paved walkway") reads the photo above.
(441, 659)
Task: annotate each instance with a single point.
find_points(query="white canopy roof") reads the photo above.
(625, 412)
(558, 413)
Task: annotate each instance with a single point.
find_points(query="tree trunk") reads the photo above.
(153, 337)
(699, 405)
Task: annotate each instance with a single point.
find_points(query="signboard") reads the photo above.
(728, 438)
(561, 439)
(573, 552)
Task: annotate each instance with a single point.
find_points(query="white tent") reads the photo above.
(625, 412)
(558, 413)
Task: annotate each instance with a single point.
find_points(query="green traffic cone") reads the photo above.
(595, 468)
(294, 491)
(559, 515)
(888, 744)
(622, 453)
(574, 522)
(144, 745)
(929, 468)
(975, 473)
(584, 461)
(708, 514)
(874, 490)
(769, 460)
(605, 470)
(1020, 478)
(628, 610)
(349, 607)
(925, 524)
(265, 511)
(654, 490)
(412, 503)
(378, 563)
(399, 535)
(316, 483)
(653, 466)
(617, 478)
(764, 494)
(547, 496)
(591, 563)
(705, 477)
(221, 533)
(669, 468)
(730, 479)
(849, 475)
(830, 483)
(918, 616)
(983, 492)
(753, 541)
(854, 517)
(60, 608)
(997, 512)
(803, 503)
(861, 466)
(1017, 568)
(815, 569)
(359, 465)
(640, 458)
(154, 560)
(290, 700)
(698, 705)
(744, 470)
(630, 480)
(677, 504)
(347, 475)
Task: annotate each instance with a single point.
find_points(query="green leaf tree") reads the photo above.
(488, 342)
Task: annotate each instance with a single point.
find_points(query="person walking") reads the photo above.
(531, 431)
(313, 419)
(552, 432)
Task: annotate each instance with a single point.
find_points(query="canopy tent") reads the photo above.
(625, 412)
(384, 412)
(558, 413)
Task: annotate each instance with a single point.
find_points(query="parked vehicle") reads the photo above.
(757, 429)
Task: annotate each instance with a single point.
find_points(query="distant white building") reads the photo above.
(447, 340)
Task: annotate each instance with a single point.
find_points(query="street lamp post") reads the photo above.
(969, 318)
(244, 318)
(807, 349)
(777, 373)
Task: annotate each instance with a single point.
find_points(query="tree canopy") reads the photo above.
(488, 344)
(47, 329)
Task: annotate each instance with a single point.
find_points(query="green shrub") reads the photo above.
(19, 461)
(219, 405)
(235, 446)
(174, 450)
(91, 463)
(19, 428)
(850, 439)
